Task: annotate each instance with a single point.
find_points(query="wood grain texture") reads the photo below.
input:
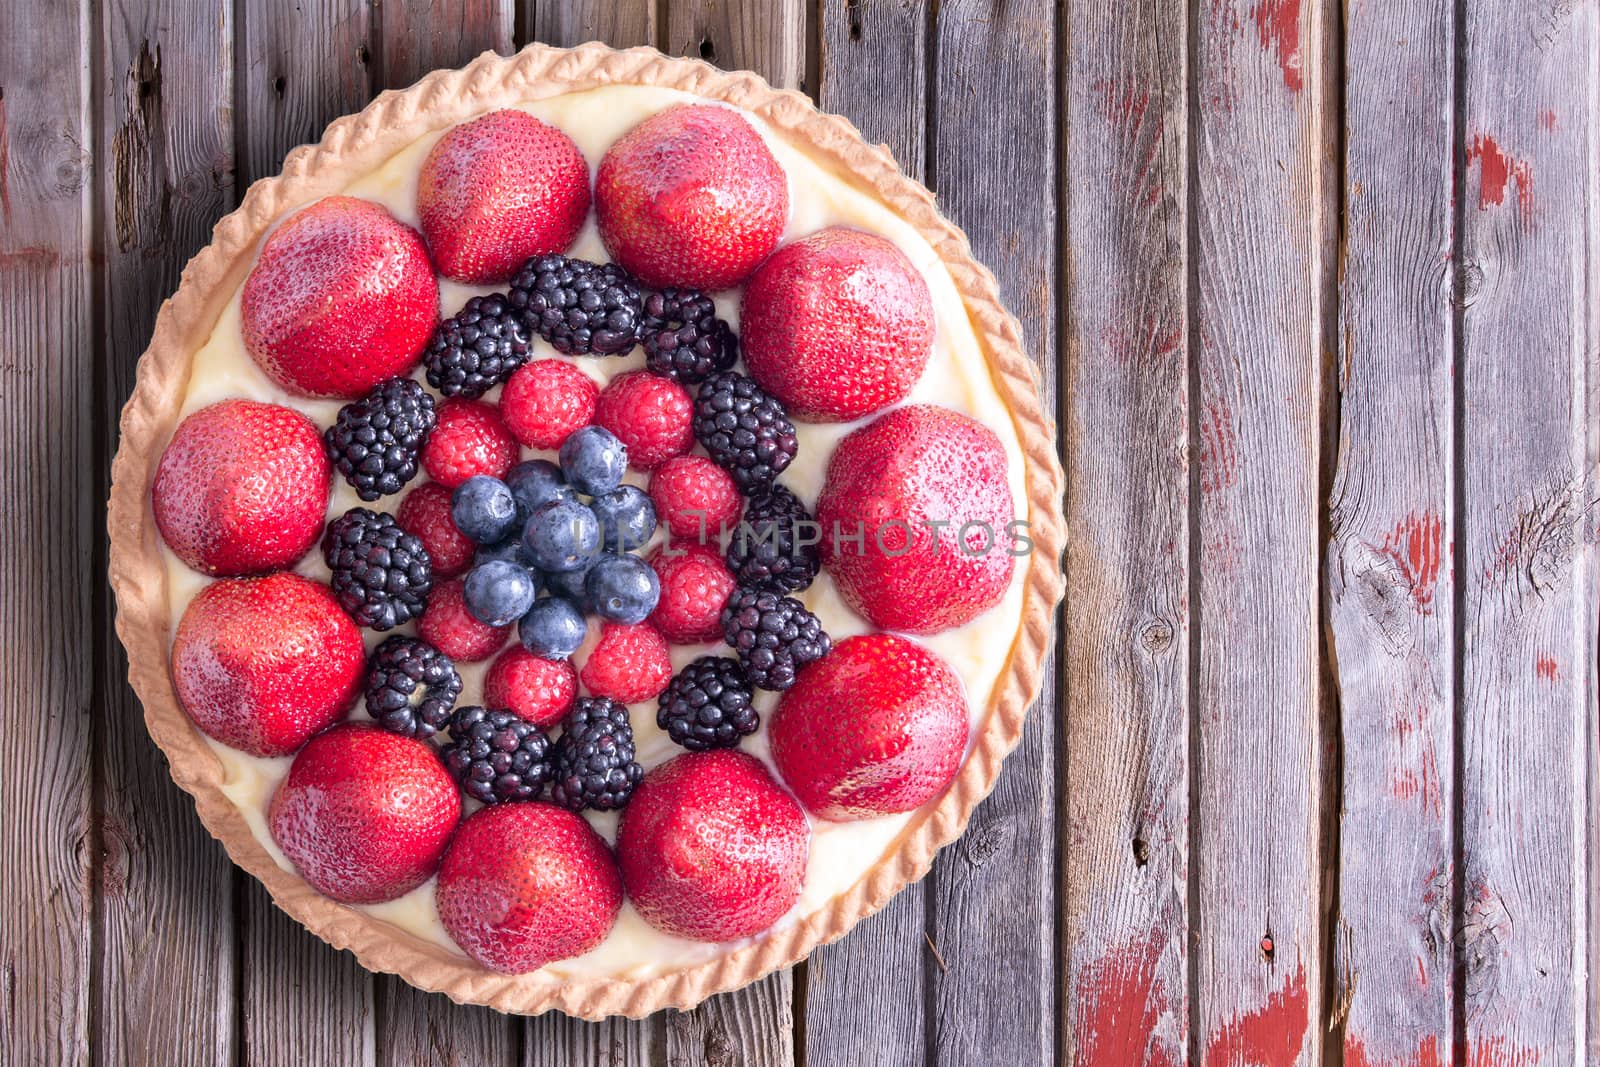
(1390, 582)
(1530, 366)
(1126, 802)
(766, 36)
(620, 24)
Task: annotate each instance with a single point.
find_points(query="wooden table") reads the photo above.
(1315, 288)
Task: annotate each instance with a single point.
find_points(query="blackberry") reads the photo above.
(775, 547)
(578, 306)
(496, 756)
(381, 574)
(477, 348)
(682, 337)
(594, 764)
(774, 636)
(744, 429)
(375, 441)
(709, 704)
(411, 687)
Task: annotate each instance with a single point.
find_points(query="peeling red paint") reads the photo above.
(1278, 23)
(1486, 1052)
(1497, 170)
(1219, 446)
(1547, 120)
(1547, 668)
(1416, 546)
(1426, 1055)
(1500, 1052)
(1119, 1003)
(1122, 107)
(1271, 1036)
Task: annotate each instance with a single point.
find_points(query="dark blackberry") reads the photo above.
(709, 704)
(775, 547)
(477, 348)
(594, 764)
(496, 756)
(411, 687)
(745, 430)
(578, 306)
(682, 337)
(774, 636)
(381, 574)
(375, 441)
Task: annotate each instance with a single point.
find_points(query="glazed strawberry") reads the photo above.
(497, 190)
(242, 488)
(653, 416)
(546, 400)
(876, 727)
(448, 626)
(837, 326)
(628, 663)
(925, 489)
(342, 297)
(691, 197)
(468, 439)
(425, 512)
(261, 664)
(695, 499)
(364, 815)
(711, 847)
(695, 584)
(537, 689)
(526, 884)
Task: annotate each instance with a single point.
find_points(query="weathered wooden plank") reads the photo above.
(166, 889)
(1530, 239)
(766, 36)
(1391, 588)
(751, 1027)
(1262, 222)
(420, 37)
(620, 24)
(1126, 801)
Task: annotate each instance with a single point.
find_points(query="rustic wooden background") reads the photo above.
(1315, 287)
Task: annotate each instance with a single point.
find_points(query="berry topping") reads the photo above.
(571, 585)
(483, 508)
(468, 439)
(477, 348)
(536, 482)
(562, 535)
(537, 689)
(411, 687)
(546, 400)
(776, 545)
(682, 337)
(622, 588)
(425, 512)
(695, 584)
(629, 663)
(381, 574)
(452, 629)
(708, 705)
(627, 518)
(580, 308)
(695, 499)
(652, 416)
(593, 460)
(497, 756)
(499, 592)
(553, 628)
(594, 764)
(746, 431)
(774, 636)
(375, 440)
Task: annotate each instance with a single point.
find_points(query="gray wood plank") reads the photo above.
(1530, 239)
(618, 23)
(750, 1027)
(1126, 800)
(766, 36)
(166, 888)
(416, 38)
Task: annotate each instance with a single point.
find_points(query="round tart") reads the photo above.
(507, 494)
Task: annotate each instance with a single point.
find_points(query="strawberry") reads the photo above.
(837, 326)
(242, 488)
(691, 197)
(546, 400)
(876, 727)
(448, 626)
(628, 663)
(695, 499)
(498, 190)
(652, 416)
(364, 815)
(468, 439)
(695, 584)
(920, 521)
(261, 664)
(711, 848)
(425, 513)
(526, 884)
(342, 297)
(539, 690)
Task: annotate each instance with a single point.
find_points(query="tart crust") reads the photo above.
(355, 145)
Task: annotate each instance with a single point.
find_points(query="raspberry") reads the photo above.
(694, 587)
(652, 416)
(537, 689)
(695, 498)
(425, 512)
(546, 400)
(628, 663)
(468, 439)
(448, 626)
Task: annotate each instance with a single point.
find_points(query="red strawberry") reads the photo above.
(425, 512)
(364, 815)
(497, 190)
(695, 499)
(691, 197)
(468, 439)
(837, 326)
(447, 625)
(524, 885)
(242, 488)
(628, 663)
(877, 726)
(539, 690)
(895, 482)
(695, 583)
(711, 847)
(261, 664)
(546, 400)
(342, 297)
(653, 416)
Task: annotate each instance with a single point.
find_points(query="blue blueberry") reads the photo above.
(553, 628)
(499, 593)
(562, 535)
(623, 588)
(569, 584)
(511, 550)
(593, 460)
(627, 518)
(536, 482)
(484, 509)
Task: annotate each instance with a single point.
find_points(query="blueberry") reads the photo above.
(593, 460)
(623, 588)
(510, 550)
(499, 593)
(484, 509)
(562, 535)
(627, 518)
(553, 628)
(536, 482)
(570, 584)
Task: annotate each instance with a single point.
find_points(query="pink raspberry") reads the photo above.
(448, 626)
(651, 415)
(468, 439)
(628, 663)
(425, 512)
(546, 400)
(694, 586)
(534, 688)
(695, 498)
